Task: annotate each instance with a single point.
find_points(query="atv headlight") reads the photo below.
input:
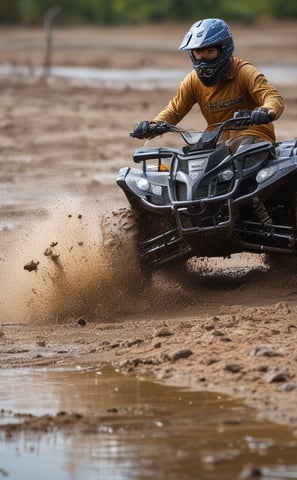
(266, 173)
(226, 175)
(157, 190)
(143, 184)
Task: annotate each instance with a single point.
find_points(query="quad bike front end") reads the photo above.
(202, 200)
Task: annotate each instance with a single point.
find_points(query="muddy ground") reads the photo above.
(229, 326)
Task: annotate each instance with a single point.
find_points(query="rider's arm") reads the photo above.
(181, 104)
(261, 91)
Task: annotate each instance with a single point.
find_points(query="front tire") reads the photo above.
(120, 234)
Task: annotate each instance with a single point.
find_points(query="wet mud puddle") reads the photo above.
(88, 424)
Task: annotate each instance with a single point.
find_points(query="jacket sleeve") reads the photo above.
(260, 90)
(181, 104)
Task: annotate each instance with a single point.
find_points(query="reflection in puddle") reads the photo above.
(90, 424)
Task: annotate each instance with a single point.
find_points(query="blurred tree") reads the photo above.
(191, 10)
(105, 11)
(244, 11)
(131, 11)
(9, 12)
(284, 9)
(160, 10)
(31, 12)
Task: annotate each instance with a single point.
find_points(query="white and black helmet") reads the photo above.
(211, 32)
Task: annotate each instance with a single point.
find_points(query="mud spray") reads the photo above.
(58, 268)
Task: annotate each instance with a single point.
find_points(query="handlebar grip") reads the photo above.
(154, 130)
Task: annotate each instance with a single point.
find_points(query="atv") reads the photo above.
(201, 200)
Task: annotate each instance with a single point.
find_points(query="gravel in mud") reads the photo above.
(229, 326)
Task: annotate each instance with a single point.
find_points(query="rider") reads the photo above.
(222, 85)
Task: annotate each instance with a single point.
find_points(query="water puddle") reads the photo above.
(97, 423)
(143, 78)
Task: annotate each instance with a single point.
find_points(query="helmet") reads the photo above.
(211, 32)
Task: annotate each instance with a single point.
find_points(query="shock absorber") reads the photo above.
(261, 212)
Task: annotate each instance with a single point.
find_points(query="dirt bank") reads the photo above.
(230, 327)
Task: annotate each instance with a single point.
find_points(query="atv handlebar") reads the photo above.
(240, 120)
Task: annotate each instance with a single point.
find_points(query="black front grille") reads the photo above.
(207, 190)
(181, 191)
(212, 187)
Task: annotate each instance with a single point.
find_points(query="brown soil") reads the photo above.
(229, 327)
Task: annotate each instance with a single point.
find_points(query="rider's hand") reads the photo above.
(245, 118)
(241, 113)
(261, 115)
(143, 129)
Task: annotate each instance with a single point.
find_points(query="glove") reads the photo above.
(261, 115)
(245, 116)
(142, 129)
(241, 113)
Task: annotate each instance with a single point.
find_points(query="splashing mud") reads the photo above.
(59, 268)
(55, 268)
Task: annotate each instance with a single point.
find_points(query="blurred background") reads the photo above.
(128, 12)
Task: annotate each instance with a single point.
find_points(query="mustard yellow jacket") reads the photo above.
(245, 89)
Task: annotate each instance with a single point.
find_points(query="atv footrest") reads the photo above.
(266, 236)
(164, 247)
